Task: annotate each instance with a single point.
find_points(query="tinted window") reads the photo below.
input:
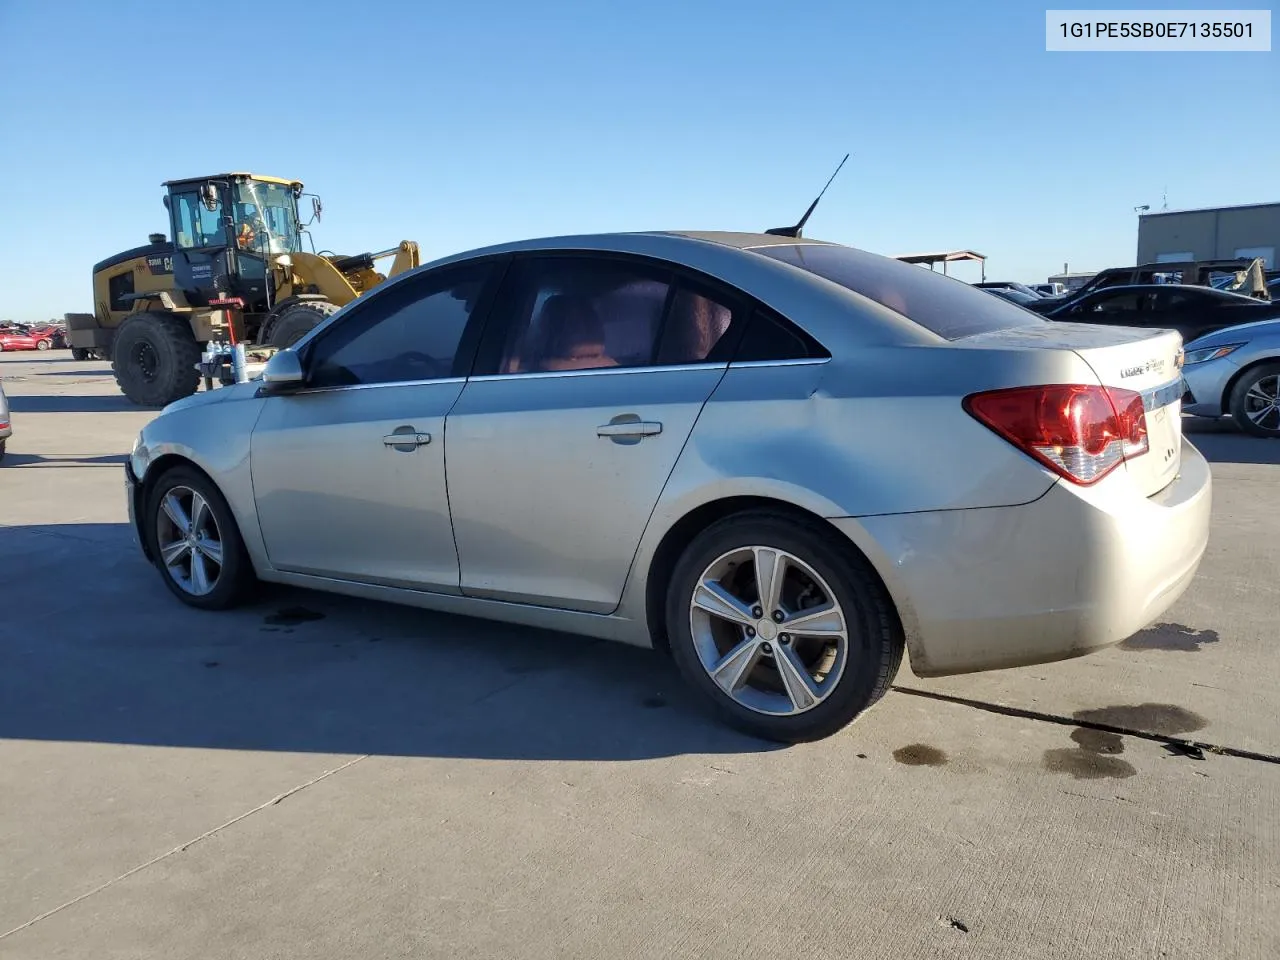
(948, 307)
(581, 313)
(694, 327)
(1115, 302)
(769, 337)
(410, 333)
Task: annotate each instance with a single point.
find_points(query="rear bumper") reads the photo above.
(1075, 571)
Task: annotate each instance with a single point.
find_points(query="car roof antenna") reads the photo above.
(795, 231)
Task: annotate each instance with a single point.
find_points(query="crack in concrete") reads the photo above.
(184, 846)
(1025, 714)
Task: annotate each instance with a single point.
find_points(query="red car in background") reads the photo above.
(35, 339)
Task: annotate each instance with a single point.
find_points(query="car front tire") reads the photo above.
(782, 626)
(1255, 401)
(196, 542)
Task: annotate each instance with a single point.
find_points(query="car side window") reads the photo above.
(406, 334)
(580, 313)
(769, 337)
(1116, 303)
(695, 327)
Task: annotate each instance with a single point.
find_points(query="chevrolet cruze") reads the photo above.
(782, 461)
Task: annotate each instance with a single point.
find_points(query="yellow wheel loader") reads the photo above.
(235, 272)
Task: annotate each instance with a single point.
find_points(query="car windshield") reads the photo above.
(265, 218)
(950, 308)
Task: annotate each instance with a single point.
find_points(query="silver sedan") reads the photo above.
(781, 461)
(1236, 372)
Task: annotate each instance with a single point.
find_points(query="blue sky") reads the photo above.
(461, 124)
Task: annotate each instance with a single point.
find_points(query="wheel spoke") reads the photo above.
(199, 573)
(1261, 396)
(826, 621)
(211, 549)
(732, 670)
(771, 568)
(175, 512)
(1257, 416)
(795, 678)
(171, 553)
(199, 511)
(712, 597)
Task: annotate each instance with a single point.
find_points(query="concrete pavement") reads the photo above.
(315, 776)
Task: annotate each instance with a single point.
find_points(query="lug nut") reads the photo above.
(766, 648)
(779, 616)
(785, 638)
(757, 612)
(751, 631)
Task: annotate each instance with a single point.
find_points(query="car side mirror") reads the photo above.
(283, 373)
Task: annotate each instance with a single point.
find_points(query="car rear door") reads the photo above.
(559, 445)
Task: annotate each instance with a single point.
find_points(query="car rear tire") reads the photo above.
(2, 443)
(827, 650)
(1255, 401)
(196, 543)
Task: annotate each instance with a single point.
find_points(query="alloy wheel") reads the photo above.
(189, 541)
(1262, 402)
(769, 630)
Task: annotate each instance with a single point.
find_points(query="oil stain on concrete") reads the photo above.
(920, 755)
(292, 616)
(1093, 757)
(1171, 636)
(1096, 752)
(1161, 719)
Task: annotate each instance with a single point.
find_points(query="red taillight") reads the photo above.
(1080, 431)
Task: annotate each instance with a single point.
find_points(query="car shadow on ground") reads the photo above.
(1221, 441)
(88, 403)
(94, 649)
(95, 372)
(63, 460)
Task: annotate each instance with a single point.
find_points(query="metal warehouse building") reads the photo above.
(1213, 233)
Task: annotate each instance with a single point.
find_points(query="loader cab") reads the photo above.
(226, 230)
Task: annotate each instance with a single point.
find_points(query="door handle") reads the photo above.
(629, 428)
(406, 437)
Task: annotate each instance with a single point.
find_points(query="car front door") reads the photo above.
(591, 377)
(349, 470)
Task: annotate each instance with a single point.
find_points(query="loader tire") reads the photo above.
(154, 357)
(297, 320)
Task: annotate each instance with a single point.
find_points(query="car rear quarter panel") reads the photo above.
(880, 431)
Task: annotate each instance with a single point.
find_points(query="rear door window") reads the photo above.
(943, 305)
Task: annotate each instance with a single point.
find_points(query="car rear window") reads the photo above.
(948, 307)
